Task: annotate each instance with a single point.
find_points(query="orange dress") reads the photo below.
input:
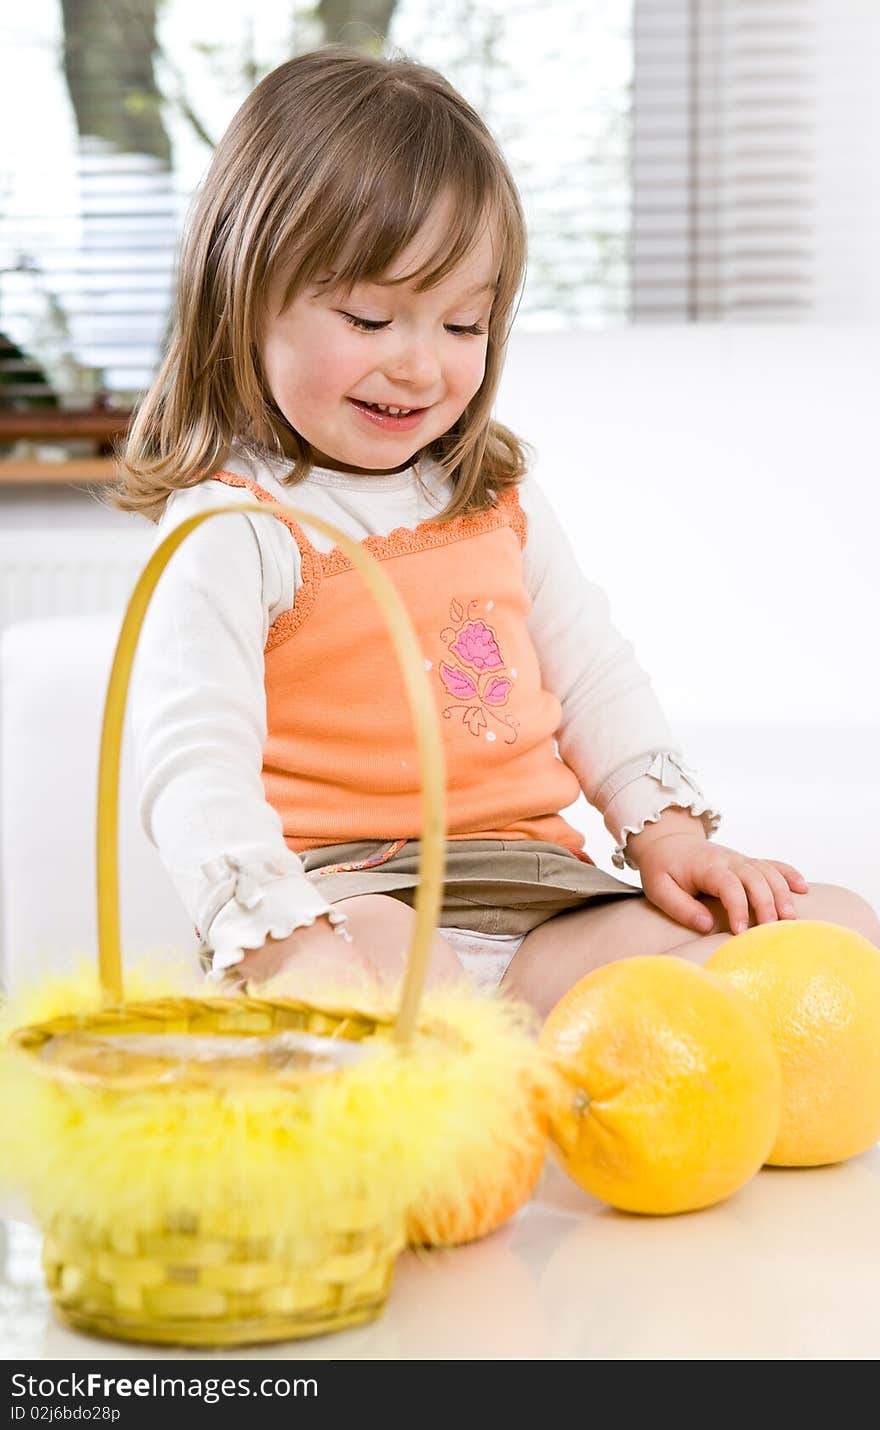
(340, 760)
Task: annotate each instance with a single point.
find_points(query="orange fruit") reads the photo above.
(817, 985)
(503, 1184)
(669, 1085)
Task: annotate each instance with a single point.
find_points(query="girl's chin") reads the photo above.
(337, 464)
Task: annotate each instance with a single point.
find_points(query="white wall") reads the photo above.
(721, 483)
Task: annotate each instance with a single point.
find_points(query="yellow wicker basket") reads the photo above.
(197, 1274)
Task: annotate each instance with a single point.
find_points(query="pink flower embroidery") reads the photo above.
(458, 682)
(496, 691)
(476, 645)
(474, 719)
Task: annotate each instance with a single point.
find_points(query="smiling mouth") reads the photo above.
(376, 407)
(388, 421)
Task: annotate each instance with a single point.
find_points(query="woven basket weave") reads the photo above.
(190, 1279)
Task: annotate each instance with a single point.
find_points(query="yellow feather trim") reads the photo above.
(396, 1130)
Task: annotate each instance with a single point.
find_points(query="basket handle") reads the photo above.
(433, 784)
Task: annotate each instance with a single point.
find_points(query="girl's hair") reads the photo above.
(334, 161)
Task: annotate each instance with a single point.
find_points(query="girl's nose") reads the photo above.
(416, 363)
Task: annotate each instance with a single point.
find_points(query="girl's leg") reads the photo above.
(382, 928)
(556, 954)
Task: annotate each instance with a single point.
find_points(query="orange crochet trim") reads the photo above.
(405, 539)
(312, 568)
(399, 542)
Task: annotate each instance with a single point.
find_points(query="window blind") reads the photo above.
(723, 160)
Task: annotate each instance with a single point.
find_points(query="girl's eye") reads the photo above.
(365, 324)
(368, 325)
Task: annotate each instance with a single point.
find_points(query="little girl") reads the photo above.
(346, 288)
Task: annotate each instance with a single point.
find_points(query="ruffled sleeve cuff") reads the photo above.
(253, 901)
(638, 793)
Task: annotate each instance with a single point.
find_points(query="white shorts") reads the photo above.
(485, 957)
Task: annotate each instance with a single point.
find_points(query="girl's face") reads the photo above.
(329, 352)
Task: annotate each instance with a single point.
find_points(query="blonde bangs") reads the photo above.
(371, 222)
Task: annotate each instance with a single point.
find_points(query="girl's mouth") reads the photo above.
(385, 419)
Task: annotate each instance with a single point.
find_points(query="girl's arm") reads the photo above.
(672, 821)
(613, 732)
(198, 726)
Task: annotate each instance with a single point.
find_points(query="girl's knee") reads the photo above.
(832, 903)
(382, 927)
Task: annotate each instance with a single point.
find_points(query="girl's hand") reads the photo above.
(676, 866)
(312, 955)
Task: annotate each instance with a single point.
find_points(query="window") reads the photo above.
(679, 160)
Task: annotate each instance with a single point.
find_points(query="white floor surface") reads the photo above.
(785, 1270)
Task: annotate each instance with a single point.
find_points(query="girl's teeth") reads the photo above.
(394, 411)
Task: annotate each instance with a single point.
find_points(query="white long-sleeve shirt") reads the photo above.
(198, 706)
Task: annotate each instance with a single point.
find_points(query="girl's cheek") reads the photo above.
(324, 373)
(477, 373)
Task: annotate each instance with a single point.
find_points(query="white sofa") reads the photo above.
(795, 793)
(713, 479)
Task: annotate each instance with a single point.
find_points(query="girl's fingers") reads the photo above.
(762, 894)
(672, 899)
(785, 908)
(793, 877)
(766, 890)
(728, 887)
(765, 884)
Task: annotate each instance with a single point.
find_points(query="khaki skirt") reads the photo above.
(491, 886)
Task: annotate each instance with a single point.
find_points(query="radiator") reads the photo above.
(68, 573)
